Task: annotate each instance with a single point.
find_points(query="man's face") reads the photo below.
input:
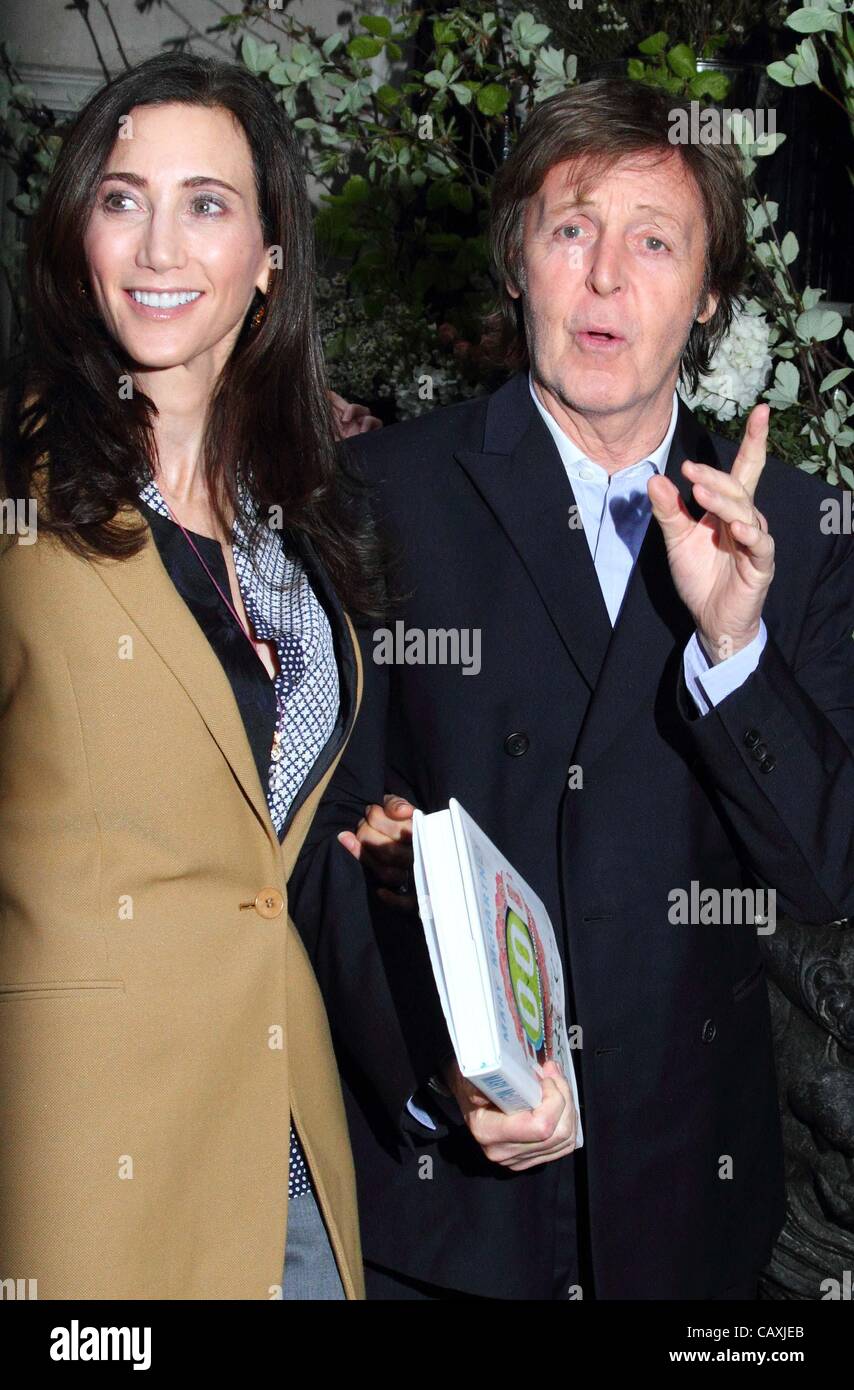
(626, 261)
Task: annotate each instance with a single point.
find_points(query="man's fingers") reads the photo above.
(727, 507)
(526, 1131)
(750, 459)
(669, 510)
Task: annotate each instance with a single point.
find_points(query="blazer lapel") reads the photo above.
(653, 625)
(142, 586)
(521, 478)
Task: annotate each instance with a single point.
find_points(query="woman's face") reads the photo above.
(174, 244)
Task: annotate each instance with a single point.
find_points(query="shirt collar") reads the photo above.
(574, 460)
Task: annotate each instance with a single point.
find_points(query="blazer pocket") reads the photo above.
(56, 989)
(748, 982)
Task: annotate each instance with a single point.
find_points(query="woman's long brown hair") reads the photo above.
(86, 446)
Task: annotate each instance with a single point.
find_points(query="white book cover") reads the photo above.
(495, 960)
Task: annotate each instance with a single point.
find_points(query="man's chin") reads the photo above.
(595, 393)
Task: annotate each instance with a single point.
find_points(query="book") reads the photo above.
(495, 960)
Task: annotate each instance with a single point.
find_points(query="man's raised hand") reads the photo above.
(723, 564)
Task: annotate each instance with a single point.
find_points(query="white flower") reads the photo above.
(739, 370)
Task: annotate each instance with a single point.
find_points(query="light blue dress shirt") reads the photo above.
(614, 510)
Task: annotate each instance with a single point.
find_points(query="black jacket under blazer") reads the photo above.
(681, 1177)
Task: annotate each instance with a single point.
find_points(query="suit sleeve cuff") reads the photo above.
(709, 685)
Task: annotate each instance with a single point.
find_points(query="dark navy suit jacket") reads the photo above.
(680, 1183)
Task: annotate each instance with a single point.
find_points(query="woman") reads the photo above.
(178, 679)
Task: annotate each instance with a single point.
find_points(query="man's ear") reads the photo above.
(513, 290)
(712, 301)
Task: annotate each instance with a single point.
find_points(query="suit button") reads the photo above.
(751, 738)
(768, 764)
(759, 752)
(710, 1031)
(269, 902)
(516, 745)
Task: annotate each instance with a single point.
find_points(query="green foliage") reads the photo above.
(674, 67)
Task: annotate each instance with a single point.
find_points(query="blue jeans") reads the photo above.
(310, 1269)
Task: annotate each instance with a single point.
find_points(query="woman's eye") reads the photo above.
(207, 206)
(109, 201)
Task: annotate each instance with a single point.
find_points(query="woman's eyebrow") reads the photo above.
(197, 180)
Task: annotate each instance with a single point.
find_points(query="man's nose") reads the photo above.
(606, 272)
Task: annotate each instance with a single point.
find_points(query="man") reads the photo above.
(660, 717)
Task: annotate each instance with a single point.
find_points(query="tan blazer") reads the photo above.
(159, 1019)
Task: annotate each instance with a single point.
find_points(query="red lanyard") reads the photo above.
(223, 596)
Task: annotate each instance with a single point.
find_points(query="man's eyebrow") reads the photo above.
(566, 203)
(197, 181)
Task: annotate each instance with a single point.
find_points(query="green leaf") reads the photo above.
(362, 47)
(356, 189)
(635, 69)
(437, 195)
(387, 95)
(656, 43)
(444, 241)
(249, 52)
(817, 325)
(781, 73)
(709, 84)
(716, 84)
(811, 20)
(835, 377)
(848, 340)
(393, 51)
(493, 99)
(460, 197)
(809, 60)
(444, 32)
(789, 247)
(683, 61)
(376, 24)
(329, 45)
(787, 383)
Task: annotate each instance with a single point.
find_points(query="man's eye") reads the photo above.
(566, 232)
(659, 244)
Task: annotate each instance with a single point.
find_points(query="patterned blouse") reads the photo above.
(283, 608)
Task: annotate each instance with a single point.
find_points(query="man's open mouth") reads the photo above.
(599, 337)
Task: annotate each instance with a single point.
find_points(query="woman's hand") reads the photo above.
(383, 842)
(352, 419)
(530, 1137)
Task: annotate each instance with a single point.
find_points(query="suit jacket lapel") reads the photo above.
(521, 478)
(145, 591)
(653, 625)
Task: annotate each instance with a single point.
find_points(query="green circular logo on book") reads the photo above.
(525, 978)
